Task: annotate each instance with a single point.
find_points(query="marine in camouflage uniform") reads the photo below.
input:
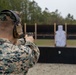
(16, 59)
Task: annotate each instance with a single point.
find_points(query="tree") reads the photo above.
(69, 19)
(32, 12)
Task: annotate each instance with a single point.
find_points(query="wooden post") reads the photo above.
(35, 31)
(25, 28)
(66, 32)
(54, 27)
(54, 32)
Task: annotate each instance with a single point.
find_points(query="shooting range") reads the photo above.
(54, 54)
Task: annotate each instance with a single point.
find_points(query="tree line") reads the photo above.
(32, 13)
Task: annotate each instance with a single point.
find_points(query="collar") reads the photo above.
(3, 40)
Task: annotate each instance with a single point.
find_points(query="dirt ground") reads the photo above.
(53, 69)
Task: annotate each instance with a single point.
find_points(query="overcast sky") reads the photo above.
(63, 6)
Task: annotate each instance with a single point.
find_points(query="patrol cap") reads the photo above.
(12, 15)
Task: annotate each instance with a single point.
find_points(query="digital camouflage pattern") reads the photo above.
(17, 59)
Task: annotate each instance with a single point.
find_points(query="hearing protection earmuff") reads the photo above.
(3, 17)
(17, 30)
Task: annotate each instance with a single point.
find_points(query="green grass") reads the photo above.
(71, 42)
(48, 42)
(45, 42)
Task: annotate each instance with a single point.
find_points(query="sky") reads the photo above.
(64, 6)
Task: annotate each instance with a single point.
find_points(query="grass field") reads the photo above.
(48, 42)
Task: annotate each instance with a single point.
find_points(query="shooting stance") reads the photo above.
(15, 58)
(60, 37)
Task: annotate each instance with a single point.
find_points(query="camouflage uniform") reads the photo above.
(17, 59)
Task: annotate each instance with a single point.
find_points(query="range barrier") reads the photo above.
(48, 31)
(70, 37)
(66, 55)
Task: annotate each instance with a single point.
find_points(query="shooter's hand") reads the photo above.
(29, 38)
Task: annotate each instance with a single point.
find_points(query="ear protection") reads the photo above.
(17, 30)
(3, 17)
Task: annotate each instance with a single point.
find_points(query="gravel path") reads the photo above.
(53, 69)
